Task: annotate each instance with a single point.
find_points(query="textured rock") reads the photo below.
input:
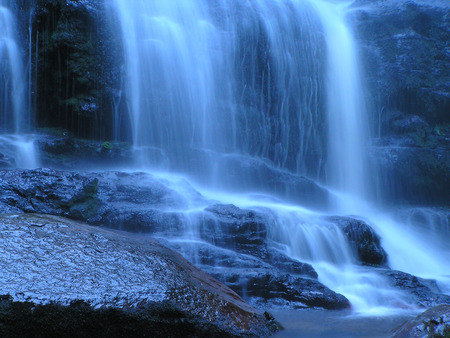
(407, 61)
(363, 239)
(425, 292)
(309, 292)
(50, 259)
(142, 202)
(434, 322)
(404, 49)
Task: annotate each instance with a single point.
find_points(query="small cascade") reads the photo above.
(19, 150)
(310, 238)
(15, 116)
(12, 84)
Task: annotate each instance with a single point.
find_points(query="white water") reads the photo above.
(20, 149)
(347, 120)
(215, 86)
(14, 114)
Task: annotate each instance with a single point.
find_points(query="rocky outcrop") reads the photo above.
(363, 240)
(51, 259)
(234, 248)
(434, 322)
(425, 292)
(404, 48)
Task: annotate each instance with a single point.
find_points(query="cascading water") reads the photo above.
(232, 93)
(215, 93)
(14, 114)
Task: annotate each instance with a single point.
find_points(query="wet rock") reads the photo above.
(59, 149)
(254, 278)
(413, 175)
(363, 240)
(434, 322)
(120, 200)
(63, 261)
(49, 191)
(6, 162)
(406, 62)
(142, 202)
(425, 292)
(407, 75)
(245, 231)
(309, 292)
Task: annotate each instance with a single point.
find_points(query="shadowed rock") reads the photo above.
(363, 239)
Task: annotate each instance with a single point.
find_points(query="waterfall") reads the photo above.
(14, 112)
(234, 93)
(211, 82)
(347, 121)
(11, 72)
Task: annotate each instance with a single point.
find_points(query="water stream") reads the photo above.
(232, 93)
(15, 117)
(259, 104)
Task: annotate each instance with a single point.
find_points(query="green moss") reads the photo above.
(106, 146)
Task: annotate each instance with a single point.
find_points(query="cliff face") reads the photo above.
(406, 58)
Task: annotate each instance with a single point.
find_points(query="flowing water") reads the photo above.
(234, 93)
(14, 112)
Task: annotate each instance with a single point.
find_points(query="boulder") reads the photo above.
(425, 292)
(245, 231)
(48, 259)
(308, 292)
(48, 191)
(434, 322)
(363, 240)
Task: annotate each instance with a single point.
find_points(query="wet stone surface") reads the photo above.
(51, 259)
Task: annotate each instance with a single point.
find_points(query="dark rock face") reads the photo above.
(407, 60)
(363, 239)
(6, 162)
(404, 47)
(78, 76)
(434, 322)
(413, 175)
(424, 291)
